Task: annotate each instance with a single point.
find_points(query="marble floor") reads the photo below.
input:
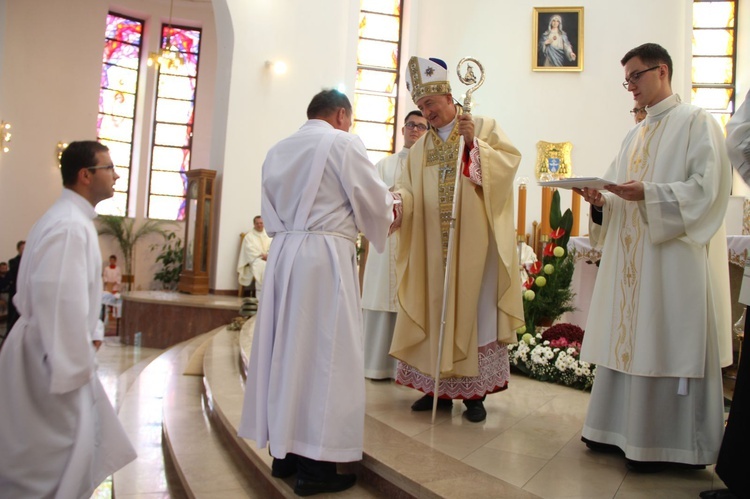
(531, 437)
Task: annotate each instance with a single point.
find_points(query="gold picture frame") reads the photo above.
(557, 48)
(553, 158)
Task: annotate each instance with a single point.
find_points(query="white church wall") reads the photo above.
(49, 90)
(316, 41)
(590, 108)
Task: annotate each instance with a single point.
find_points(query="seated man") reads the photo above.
(253, 255)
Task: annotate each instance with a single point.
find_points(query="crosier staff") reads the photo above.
(467, 78)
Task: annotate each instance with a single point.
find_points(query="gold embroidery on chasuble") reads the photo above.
(444, 155)
(632, 237)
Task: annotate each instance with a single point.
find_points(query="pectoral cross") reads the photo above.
(445, 170)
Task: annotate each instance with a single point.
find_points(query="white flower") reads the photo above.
(571, 351)
(546, 343)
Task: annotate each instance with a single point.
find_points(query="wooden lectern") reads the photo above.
(198, 232)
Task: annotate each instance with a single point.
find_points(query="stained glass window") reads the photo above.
(117, 101)
(714, 57)
(173, 123)
(376, 87)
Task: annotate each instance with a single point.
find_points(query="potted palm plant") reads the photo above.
(123, 230)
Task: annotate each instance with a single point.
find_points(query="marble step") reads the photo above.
(141, 414)
(394, 465)
(225, 393)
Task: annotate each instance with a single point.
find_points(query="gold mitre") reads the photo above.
(427, 77)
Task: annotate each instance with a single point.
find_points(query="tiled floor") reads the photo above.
(531, 437)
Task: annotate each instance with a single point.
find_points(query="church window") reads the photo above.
(117, 102)
(376, 87)
(174, 115)
(714, 57)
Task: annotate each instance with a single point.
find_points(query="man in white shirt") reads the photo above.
(305, 393)
(659, 325)
(379, 283)
(59, 436)
(112, 276)
(253, 256)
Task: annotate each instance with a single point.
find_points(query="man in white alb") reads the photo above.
(253, 256)
(659, 326)
(59, 436)
(305, 393)
(379, 284)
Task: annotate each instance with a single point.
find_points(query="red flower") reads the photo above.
(557, 233)
(536, 267)
(548, 250)
(529, 282)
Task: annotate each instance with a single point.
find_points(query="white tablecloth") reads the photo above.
(586, 269)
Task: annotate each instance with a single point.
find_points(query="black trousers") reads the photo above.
(734, 456)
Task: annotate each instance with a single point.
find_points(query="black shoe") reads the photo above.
(425, 404)
(475, 411)
(600, 447)
(284, 468)
(718, 494)
(335, 484)
(646, 466)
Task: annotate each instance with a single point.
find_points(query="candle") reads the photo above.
(546, 204)
(576, 209)
(521, 225)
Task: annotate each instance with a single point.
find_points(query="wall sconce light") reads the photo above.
(61, 146)
(278, 67)
(4, 136)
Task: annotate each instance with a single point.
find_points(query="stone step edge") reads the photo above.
(185, 396)
(125, 481)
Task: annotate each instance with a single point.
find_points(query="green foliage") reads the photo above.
(123, 230)
(170, 257)
(555, 297)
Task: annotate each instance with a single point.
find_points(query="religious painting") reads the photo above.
(553, 160)
(557, 43)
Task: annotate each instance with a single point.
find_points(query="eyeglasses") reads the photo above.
(637, 110)
(101, 167)
(637, 76)
(418, 126)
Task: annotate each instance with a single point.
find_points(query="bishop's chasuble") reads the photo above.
(484, 298)
(659, 326)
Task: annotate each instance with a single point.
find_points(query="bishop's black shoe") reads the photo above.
(600, 447)
(475, 411)
(336, 483)
(284, 468)
(646, 466)
(425, 404)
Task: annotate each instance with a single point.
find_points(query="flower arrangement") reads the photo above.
(546, 290)
(553, 356)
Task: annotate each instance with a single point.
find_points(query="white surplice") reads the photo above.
(738, 139)
(379, 288)
(305, 390)
(251, 264)
(59, 435)
(659, 326)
